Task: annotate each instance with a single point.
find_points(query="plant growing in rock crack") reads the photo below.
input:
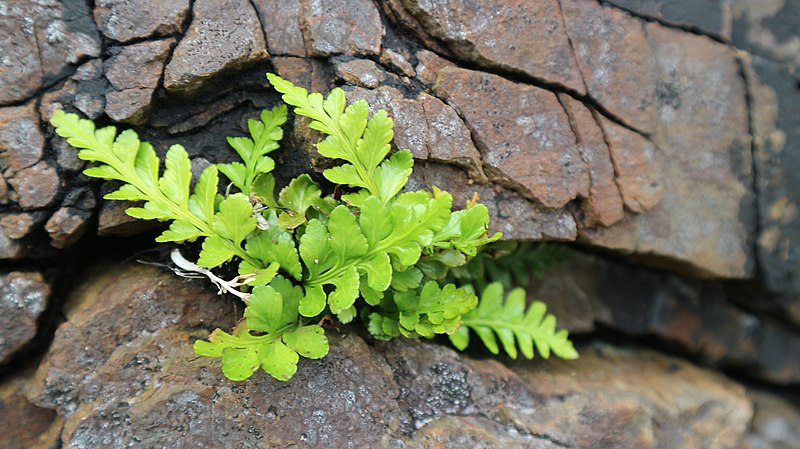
(374, 252)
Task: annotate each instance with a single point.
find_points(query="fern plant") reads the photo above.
(376, 251)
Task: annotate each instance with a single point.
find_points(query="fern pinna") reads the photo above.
(376, 252)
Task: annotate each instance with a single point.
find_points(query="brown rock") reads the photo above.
(38, 40)
(281, 22)
(112, 220)
(396, 61)
(85, 90)
(21, 140)
(17, 226)
(615, 398)
(360, 72)
(22, 424)
(615, 59)
(66, 226)
(224, 36)
(638, 164)
(335, 27)
(448, 140)
(10, 249)
(308, 73)
(706, 215)
(604, 204)
(515, 35)
(515, 216)
(23, 297)
(125, 20)
(121, 372)
(429, 66)
(134, 75)
(776, 422)
(523, 133)
(20, 67)
(696, 316)
(711, 17)
(37, 186)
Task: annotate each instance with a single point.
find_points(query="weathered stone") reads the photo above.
(84, 90)
(706, 217)
(134, 75)
(429, 66)
(21, 140)
(711, 17)
(515, 216)
(396, 61)
(38, 40)
(616, 61)
(125, 20)
(522, 132)
(604, 204)
(768, 29)
(335, 27)
(66, 156)
(22, 424)
(638, 165)
(515, 35)
(37, 186)
(17, 225)
(310, 74)
(112, 220)
(66, 226)
(360, 72)
(224, 36)
(23, 297)
(10, 249)
(20, 67)
(696, 316)
(121, 372)
(776, 422)
(627, 398)
(775, 103)
(281, 21)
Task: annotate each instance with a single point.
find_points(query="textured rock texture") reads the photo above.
(661, 137)
(121, 372)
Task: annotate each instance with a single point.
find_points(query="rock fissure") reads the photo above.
(666, 23)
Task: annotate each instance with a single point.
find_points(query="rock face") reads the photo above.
(222, 38)
(118, 344)
(23, 297)
(660, 137)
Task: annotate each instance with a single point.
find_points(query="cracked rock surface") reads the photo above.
(661, 139)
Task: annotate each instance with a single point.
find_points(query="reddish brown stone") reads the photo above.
(639, 166)
(66, 226)
(21, 140)
(360, 72)
(429, 66)
(20, 67)
(604, 204)
(16, 226)
(336, 27)
(23, 425)
(516, 217)
(517, 35)
(37, 186)
(706, 218)
(281, 21)
(224, 36)
(134, 75)
(523, 133)
(615, 59)
(23, 297)
(648, 399)
(126, 20)
(308, 73)
(396, 61)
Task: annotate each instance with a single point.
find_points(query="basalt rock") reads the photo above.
(23, 298)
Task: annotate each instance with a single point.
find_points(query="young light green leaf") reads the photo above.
(308, 341)
(180, 231)
(264, 309)
(275, 245)
(239, 363)
(235, 219)
(313, 302)
(392, 174)
(215, 252)
(177, 176)
(277, 360)
(202, 201)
